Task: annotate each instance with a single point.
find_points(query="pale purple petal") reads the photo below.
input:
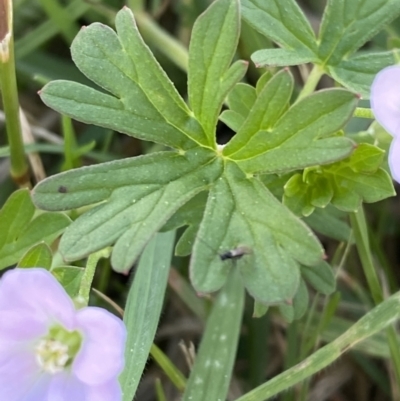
(36, 291)
(394, 159)
(19, 327)
(110, 391)
(101, 357)
(66, 387)
(385, 99)
(39, 390)
(19, 373)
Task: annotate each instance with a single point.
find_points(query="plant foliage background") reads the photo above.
(234, 130)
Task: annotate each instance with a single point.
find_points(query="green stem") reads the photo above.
(8, 84)
(360, 230)
(312, 82)
(374, 321)
(362, 112)
(173, 373)
(88, 274)
(161, 39)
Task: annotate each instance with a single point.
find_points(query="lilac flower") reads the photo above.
(385, 104)
(49, 351)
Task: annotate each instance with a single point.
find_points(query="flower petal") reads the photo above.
(385, 99)
(394, 159)
(37, 292)
(17, 327)
(66, 387)
(19, 376)
(101, 357)
(110, 391)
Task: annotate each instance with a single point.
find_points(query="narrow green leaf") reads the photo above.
(282, 57)
(39, 255)
(143, 308)
(347, 25)
(283, 22)
(20, 230)
(211, 374)
(150, 188)
(213, 44)
(241, 212)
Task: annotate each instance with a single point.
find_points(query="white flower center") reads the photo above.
(52, 355)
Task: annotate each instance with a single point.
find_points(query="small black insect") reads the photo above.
(62, 189)
(235, 253)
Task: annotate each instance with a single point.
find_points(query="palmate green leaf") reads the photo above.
(143, 101)
(21, 229)
(137, 196)
(213, 44)
(132, 199)
(241, 212)
(346, 26)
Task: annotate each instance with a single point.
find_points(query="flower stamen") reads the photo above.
(52, 355)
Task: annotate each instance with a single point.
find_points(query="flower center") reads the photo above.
(57, 350)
